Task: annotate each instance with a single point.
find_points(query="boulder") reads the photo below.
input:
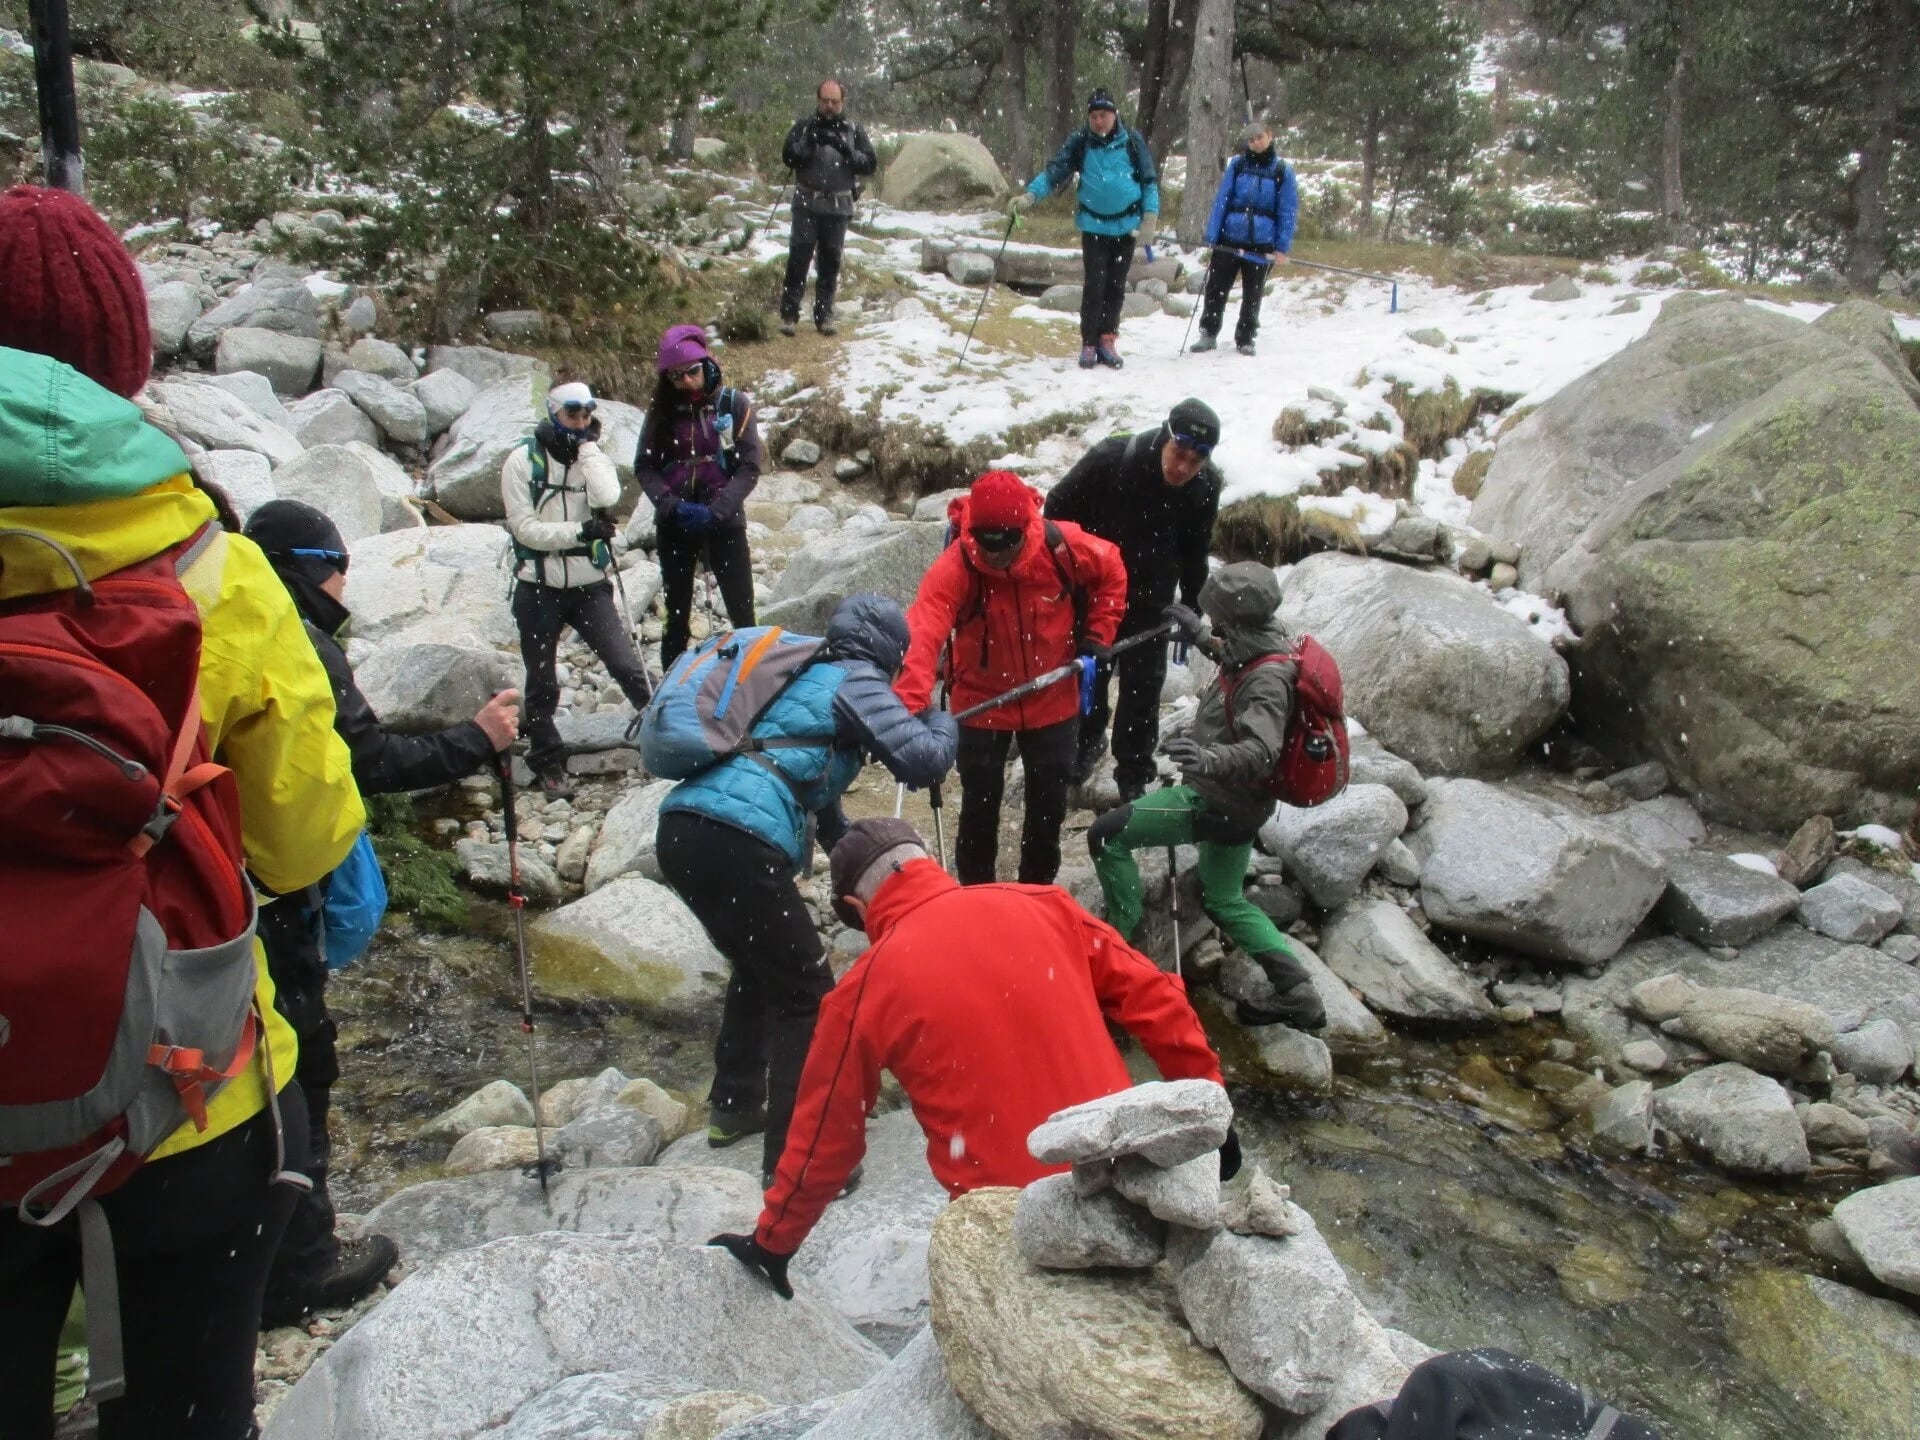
(1878, 1052)
(447, 579)
(473, 1337)
(1640, 782)
(1377, 949)
(1186, 1194)
(1057, 1228)
(445, 396)
(416, 686)
(1374, 764)
(1557, 290)
(1351, 1028)
(285, 306)
(465, 478)
(890, 560)
(383, 358)
(1849, 910)
(218, 420)
(632, 940)
(615, 1138)
(1713, 901)
(245, 477)
(1432, 667)
(1039, 1354)
(1518, 870)
(1623, 1118)
(1904, 888)
(942, 171)
(329, 417)
(969, 267)
(499, 1102)
(361, 316)
(800, 454)
(1743, 1121)
(1882, 1224)
(172, 307)
(1166, 1122)
(493, 1147)
(1869, 326)
(1666, 826)
(400, 416)
(488, 867)
(480, 365)
(290, 362)
(1064, 298)
(1756, 1029)
(912, 1399)
(1810, 1336)
(256, 392)
(1331, 848)
(597, 1405)
(354, 485)
(1377, 1368)
(625, 845)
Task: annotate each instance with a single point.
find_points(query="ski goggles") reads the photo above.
(998, 540)
(336, 558)
(1193, 444)
(578, 410)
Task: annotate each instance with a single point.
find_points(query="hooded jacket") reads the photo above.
(80, 465)
(1009, 626)
(1257, 204)
(1242, 601)
(828, 159)
(1118, 184)
(990, 1005)
(687, 465)
(846, 699)
(580, 480)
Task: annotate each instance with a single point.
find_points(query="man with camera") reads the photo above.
(828, 156)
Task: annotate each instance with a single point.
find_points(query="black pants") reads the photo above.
(727, 556)
(742, 890)
(1222, 270)
(542, 612)
(812, 232)
(1047, 755)
(192, 1236)
(1136, 718)
(1104, 261)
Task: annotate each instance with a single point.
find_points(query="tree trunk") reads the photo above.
(1170, 121)
(1153, 73)
(1064, 41)
(1210, 114)
(1013, 60)
(1674, 201)
(1369, 170)
(685, 130)
(1867, 244)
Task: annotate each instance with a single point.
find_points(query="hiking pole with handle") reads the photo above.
(1061, 672)
(1012, 220)
(542, 1166)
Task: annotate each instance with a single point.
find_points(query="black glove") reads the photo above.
(1230, 1154)
(755, 1256)
(1095, 649)
(1191, 626)
(1193, 758)
(598, 528)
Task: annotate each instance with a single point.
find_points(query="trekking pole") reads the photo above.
(1061, 672)
(626, 608)
(939, 823)
(1173, 903)
(1393, 300)
(1012, 220)
(542, 1166)
(1187, 333)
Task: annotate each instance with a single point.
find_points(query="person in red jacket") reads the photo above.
(1014, 596)
(989, 1004)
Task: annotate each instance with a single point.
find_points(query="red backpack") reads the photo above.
(1316, 757)
(127, 976)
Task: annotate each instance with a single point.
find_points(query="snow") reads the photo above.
(1756, 862)
(324, 288)
(1537, 613)
(1878, 835)
(200, 99)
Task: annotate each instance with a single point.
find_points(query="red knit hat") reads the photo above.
(70, 290)
(999, 500)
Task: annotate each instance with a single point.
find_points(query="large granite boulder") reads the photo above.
(1375, 947)
(632, 940)
(942, 171)
(329, 417)
(448, 580)
(465, 478)
(626, 842)
(912, 1399)
(1858, 1354)
(285, 306)
(356, 486)
(400, 414)
(289, 362)
(1330, 849)
(416, 684)
(1743, 1121)
(172, 307)
(1882, 1224)
(218, 420)
(889, 560)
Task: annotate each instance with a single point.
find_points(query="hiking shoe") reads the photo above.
(1131, 787)
(1296, 1002)
(826, 327)
(1107, 352)
(557, 785)
(361, 1267)
(1245, 347)
(787, 327)
(724, 1127)
(1204, 343)
(1089, 357)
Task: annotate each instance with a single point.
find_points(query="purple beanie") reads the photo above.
(682, 345)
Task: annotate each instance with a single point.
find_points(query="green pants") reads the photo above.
(1177, 816)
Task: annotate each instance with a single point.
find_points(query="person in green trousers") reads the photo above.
(1224, 760)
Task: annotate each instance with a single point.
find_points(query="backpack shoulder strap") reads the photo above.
(1069, 574)
(1230, 679)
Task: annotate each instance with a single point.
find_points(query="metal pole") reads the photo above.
(1173, 903)
(1012, 220)
(517, 902)
(59, 106)
(939, 823)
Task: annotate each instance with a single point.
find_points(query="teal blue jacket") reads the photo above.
(1118, 184)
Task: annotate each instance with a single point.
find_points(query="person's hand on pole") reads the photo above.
(755, 1256)
(1190, 755)
(1186, 622)
(499, 719)
(1149, 230)
(1095, 649)
(599, 528)
(1020, 204)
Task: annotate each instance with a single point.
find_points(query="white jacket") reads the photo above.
(573, 493)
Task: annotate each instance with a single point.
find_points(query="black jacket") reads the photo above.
(1116, 492)
(827, 158)
(383, 761)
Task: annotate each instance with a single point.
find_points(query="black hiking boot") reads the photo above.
(1087, 758)
(788, 327)
(1296, 1003)
(363, 1264)
(726, 1127)
(826, 327)
(1204, 343)
(555, 785)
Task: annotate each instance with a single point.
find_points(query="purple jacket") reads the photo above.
(688, 466)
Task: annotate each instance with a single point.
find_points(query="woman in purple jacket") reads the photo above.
(698, 460)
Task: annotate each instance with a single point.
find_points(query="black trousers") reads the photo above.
(742, 890)
(1222, 270)
(192, 1237)
(1104, 262)
(725, 551)
(813, 233)
(1047, 755)
(542, 612)
(1136, 718)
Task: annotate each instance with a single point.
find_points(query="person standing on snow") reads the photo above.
(1237, 736)
(1119, 203)
(828, 156)
(1154, 494)
(992, 1007)
(553, 484)
(1012, 597)
(1254, 212)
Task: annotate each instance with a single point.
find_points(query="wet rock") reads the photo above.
(1331, 848)
(1351, 1028)
(1167, 1122)
(912, 1399)
(632, 940)
(1834, 1130)
(1057, 1228)
(500, 1102)
(1623, 1118)
(626, 843)
(1849, 910)
(493, 1147)
(1855, 1352)
(1376, 948)
(1882, 1224)
(1260, 1205)
(1759, 1030)
(1878, 1052)
(487, 868)
(1713, 901)
(1743, 1121)
(329, 417)
(1185, 1194)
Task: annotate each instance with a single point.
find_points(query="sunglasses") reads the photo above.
(1193, 444)
(687, 372)
(337, 558)
(998, 539)
(573, 410)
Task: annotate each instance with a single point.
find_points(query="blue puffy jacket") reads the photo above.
(1257, 205)
(845, 697)
(1118, 184)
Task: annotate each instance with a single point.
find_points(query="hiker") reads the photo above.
(1119, 203)
(1010, 598)
(699, 458)
(992, 1008)
(1237, 737)
(194, 1227)
(828, 156)
(557, 485)
(314, 1269)
(1488, 1394)
(1250, 231)
(1154, 494)
(734, 837)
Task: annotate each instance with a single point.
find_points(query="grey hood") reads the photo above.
(1243, 602)
(869, 627)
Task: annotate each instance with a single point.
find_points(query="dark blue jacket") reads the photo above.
(1257, 204)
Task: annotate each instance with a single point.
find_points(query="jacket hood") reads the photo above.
(65, 440)
(1033, 554)
(917, 882)
(869, 627)
(1243, 602)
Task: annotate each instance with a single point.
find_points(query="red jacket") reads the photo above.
(1009, 625)
(990, 1005)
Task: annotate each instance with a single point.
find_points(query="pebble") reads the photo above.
(1645, 1055)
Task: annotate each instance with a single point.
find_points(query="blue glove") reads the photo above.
(692, 517)
(1088, 667)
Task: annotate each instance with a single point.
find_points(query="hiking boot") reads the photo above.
(826, 327)
(1107, 352)
(363, 1265)
(1296, 1002)
(724, 1127)
(1245, 347)
(1205, 343)
(1132, 787)
(1087, 758)
(788, 327)
(1089, 357)
(556, 785)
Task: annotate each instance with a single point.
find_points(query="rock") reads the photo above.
(849, 469)
(1331, 848)
(704, 1415)
(1902, 888)
(1294, 1059)
(626, 842)
(290, 362)
(1856, 1353)
(361, 316)
(1878, 1052)
(480, 365)
(1063, 298)
(382, 358)
(1039, 1354)
(1178, 306)
(499, 1102)
(1667, 826)
(1416, 534)
(1809, 852)
(361, 490)
(1517, 870)
(1260, 1206)
(1556, 290)
(402, 418)
(1167, 1122)
(617, 1138)
(1759, 1030)
(814, 519)
(447, 580)
(421, 685)
(1882, 1224)
(1433, 669)
(1834, 1130)
(516, 324)
(465, 478)
(1379, 1363)
(445, 396)
(1279, 1311)
(909, 307)
(1623, 1118)
(485, 863)
(941, 171)
(912, 1399)
(967, 267)
(800, 454)
(1743, 1121)
(243, 476)
(429, 1360)
(1869, 326)
(593, 1406)
(1185, 1194)
(219, 421)
(1904, 948)
(1059, 1229)
(633, 940)
(1137, 304)
(1640, 782)
(329, 417)
(286, 307)
(566, 1100)
(172, 308)
(1350, 1029)
(1430, 336)
(1849, 910)
(571, 861)
(1712, 901)
(255, 391)
(649, 1099)
(823, 572)
(1376, 948)
(1649, 1056)
(1374, 764)
(493, 1147)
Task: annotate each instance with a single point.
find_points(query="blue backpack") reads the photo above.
(354, 905)
(705, 708)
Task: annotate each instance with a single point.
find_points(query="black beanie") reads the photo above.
(865, 842)
(1101, 100)
(1195, 418)
(281, 527)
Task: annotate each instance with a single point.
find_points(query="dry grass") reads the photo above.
(1275, 531)
(1472, 474)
